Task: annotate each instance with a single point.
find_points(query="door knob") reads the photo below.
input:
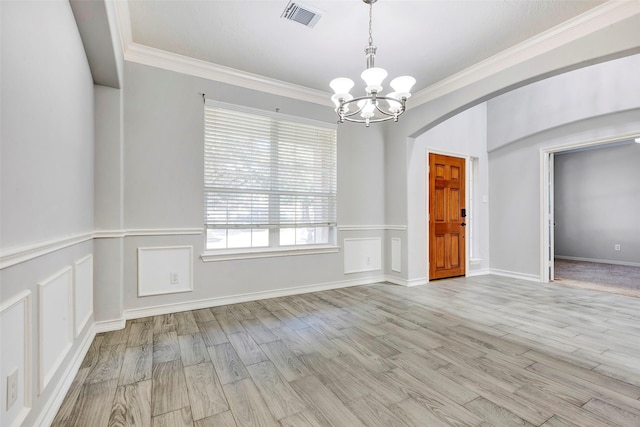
(463, 224)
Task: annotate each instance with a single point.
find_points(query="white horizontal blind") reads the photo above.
(264, 172)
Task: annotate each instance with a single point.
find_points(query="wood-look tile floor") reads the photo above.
(482, 351)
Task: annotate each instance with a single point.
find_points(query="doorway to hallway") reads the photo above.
(589, 231)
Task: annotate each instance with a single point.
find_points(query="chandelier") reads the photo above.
(372, 107)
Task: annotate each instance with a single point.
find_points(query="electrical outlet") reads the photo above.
(173, 278)
(12, 388)
(617, 247)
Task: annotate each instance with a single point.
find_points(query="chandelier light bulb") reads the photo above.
(402, 86)
(341, 85)
(367, 107)
(374, 77)
(395, 106)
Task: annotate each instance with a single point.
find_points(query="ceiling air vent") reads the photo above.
(302, 14)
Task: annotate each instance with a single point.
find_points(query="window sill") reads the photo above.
(252, 253)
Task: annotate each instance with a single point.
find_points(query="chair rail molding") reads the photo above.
(19, 254)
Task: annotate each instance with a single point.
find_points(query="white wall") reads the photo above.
(612, 110)
(597, 200)
(46, 195)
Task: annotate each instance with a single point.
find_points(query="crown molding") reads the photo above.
(182, 64)
(580, 26)
(145, 55)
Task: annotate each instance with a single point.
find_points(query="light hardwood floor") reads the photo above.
(482, 351)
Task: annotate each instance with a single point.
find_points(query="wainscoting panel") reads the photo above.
(56, 323)
(83, 291)
(396, 255)
(362, 254)
(165, 270)
(15, 358)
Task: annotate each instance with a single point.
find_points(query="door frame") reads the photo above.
(467, 165)
(547, 244)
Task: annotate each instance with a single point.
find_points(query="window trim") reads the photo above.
(210, 255)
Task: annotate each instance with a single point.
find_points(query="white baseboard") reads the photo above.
(417, 282)
(600, 261)
(482, 272)
(515, 275)
(396, 280)
(52, 406)
(110, 325)
(408, 283)
(423, 280)
(253, 296)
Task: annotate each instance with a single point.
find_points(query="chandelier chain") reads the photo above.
(371, 24)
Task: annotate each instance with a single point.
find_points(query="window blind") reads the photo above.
(265, 172)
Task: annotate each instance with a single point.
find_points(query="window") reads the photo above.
(269, 180)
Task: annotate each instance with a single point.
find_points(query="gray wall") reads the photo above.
(577, 95)
(514, 164)
(47, 125)
(464, 135)
(163, 186)
(46, 169)
(597, 200)
(108, 202)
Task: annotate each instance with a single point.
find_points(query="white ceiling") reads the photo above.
(430, 40)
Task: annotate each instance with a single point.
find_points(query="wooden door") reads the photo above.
(446, 216)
